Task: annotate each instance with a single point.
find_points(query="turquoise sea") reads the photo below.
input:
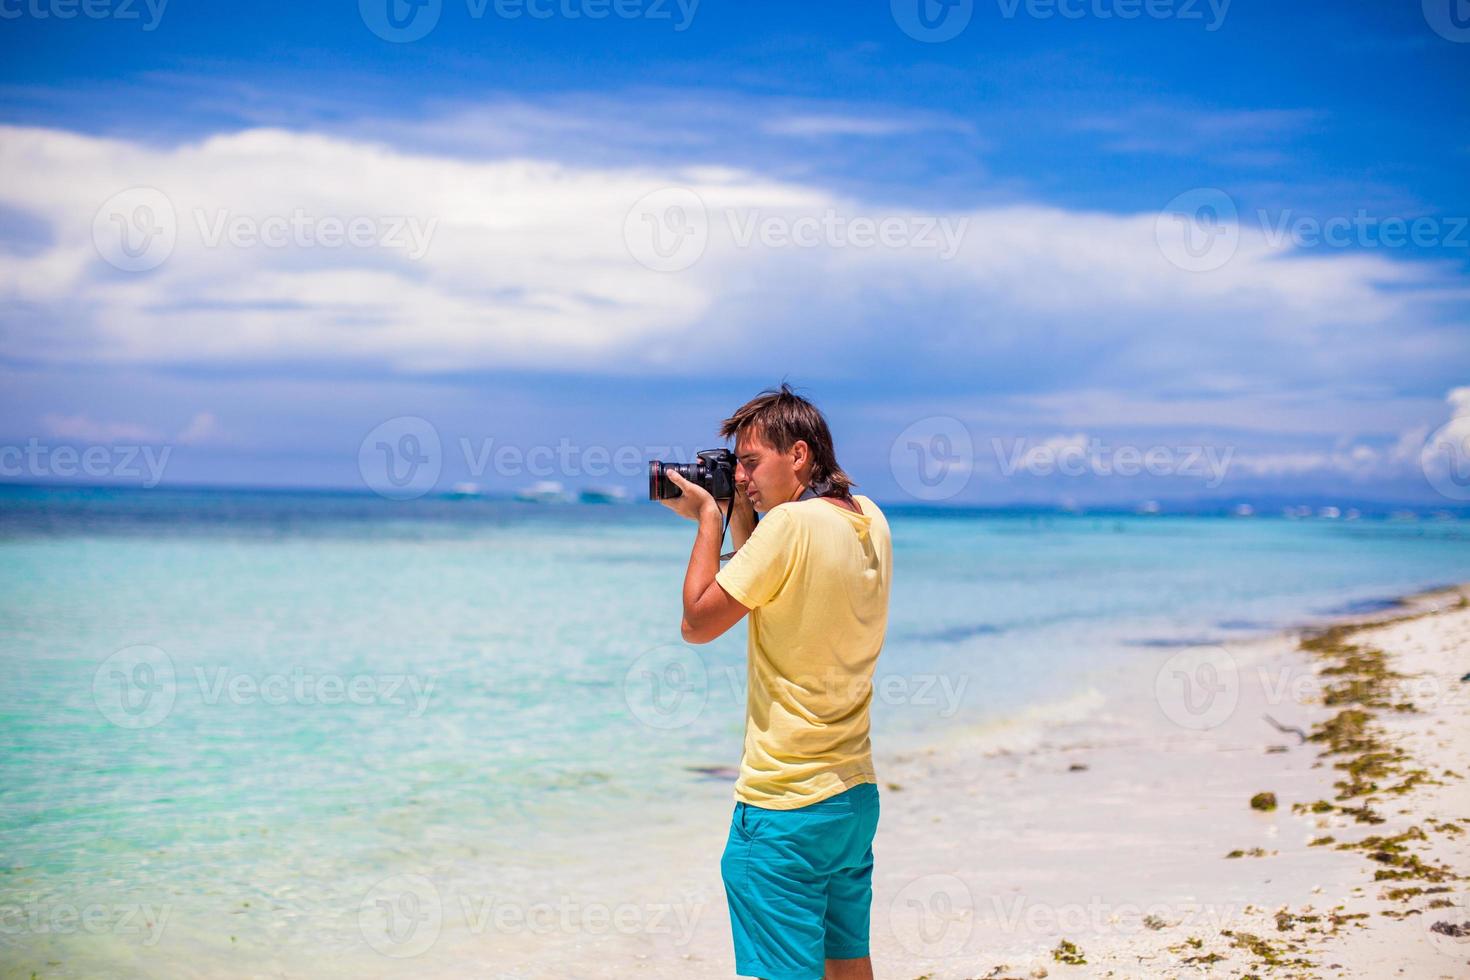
(248, 707)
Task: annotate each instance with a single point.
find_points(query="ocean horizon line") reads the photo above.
(1273, 506)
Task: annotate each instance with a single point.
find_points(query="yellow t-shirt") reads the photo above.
(815, 577)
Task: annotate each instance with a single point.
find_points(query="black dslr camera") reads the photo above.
(713, 469)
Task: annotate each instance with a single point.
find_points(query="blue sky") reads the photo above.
(1312, 348)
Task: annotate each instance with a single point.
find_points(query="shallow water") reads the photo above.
(233, 702)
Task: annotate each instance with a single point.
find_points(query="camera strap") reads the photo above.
(729, 513)
(809, 493)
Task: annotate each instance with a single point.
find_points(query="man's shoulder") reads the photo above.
(821, 504)
(819, 511)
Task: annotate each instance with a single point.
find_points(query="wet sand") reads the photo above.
(1136, 842)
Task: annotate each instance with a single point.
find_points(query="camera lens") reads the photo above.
(655, 477)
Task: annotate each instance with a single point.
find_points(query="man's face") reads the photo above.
(766, 475)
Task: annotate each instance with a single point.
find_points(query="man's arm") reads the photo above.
(708, 609)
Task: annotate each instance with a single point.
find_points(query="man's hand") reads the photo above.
(694, 501)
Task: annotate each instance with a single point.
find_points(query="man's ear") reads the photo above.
(800, 452)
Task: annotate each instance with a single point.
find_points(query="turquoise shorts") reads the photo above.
(800, 884)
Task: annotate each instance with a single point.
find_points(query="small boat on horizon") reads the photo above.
(544, 492)
(604, 495)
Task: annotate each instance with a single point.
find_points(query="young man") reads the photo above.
(814, 576)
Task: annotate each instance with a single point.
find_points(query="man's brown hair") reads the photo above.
(780, 417)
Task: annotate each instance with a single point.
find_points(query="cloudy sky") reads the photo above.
(1087, 250)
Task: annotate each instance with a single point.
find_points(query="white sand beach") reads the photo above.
(1115, 834)
(1110, 836)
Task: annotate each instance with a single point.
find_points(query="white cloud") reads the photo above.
(1254, 137)
(1410, 443)
(526, 267)
(829, 124)
(1398, 459)
(202, 428)
(85, 429)
(1459, 399)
